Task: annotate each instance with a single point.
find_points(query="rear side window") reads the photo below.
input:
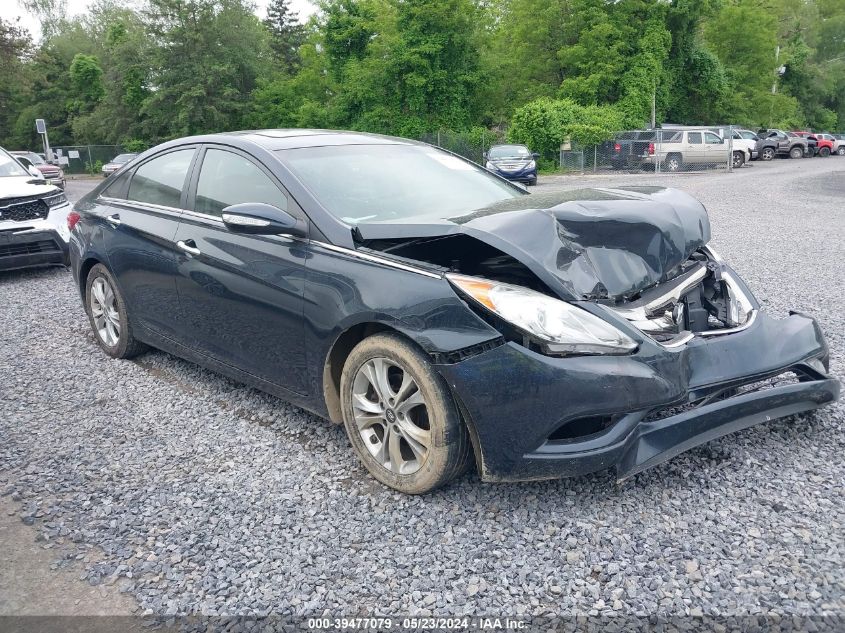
(160, 180)
(694, 138)
(227, 178)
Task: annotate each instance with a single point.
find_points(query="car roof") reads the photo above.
(297, 138)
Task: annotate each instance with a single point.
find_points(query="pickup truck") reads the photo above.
(677, 149)
(779, 143)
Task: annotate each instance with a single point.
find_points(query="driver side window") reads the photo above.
(227, 178)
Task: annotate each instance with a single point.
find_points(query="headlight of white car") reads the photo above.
(531, 165)
(561, 327)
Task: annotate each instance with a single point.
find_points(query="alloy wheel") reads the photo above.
(391, 416)
(768, 154)
(103, 304)
(673, 164)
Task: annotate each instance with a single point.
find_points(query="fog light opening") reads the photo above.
(580, 428)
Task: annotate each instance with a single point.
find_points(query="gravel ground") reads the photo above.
(209, 497)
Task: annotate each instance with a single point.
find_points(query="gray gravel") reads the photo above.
(209, 497)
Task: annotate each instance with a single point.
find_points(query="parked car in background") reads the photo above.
(676, 149)
(443, 315)
(774, 143)
(838, 143)
(825, 143)
(116, 163)
(53, 174)
(744, 141)
(514, 162)
(33, 218)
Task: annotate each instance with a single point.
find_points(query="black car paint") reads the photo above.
(280, 312)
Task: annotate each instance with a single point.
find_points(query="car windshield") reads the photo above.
(10, 167)
(508, 151)
(123, 158)
(382, 183)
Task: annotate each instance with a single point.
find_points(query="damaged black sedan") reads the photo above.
(443, 315)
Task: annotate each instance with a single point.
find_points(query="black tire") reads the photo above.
(767, 153)
(738, 159)
(841, 151)
(532, 182)
(126, 345)
(449, 452)
(673, 163)
(824, 152)
(796, 152)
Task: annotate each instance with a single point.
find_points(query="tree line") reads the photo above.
(538, 70)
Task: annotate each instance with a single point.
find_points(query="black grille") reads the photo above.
(23, 209)
(28, 248)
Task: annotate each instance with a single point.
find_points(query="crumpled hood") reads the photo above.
(584, 244)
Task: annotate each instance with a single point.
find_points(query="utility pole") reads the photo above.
(654, 106)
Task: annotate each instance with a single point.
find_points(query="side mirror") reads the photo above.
(257, 218)
(535, 155)
(484, 155)
(35, 173)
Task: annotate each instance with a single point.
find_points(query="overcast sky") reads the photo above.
(10, 9)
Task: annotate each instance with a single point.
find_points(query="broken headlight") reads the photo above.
(560, 327)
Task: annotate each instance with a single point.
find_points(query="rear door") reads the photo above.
(139, 215)
(241, 295)
(694, 148)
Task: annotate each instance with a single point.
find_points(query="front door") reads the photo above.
(715, 149)
(241, 295)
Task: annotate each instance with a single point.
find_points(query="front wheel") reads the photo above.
(796, 152)
(824, 152)
(400, 417)
(768, 153)
(738, 159)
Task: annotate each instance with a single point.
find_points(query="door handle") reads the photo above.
(189, 247)
(114, 220)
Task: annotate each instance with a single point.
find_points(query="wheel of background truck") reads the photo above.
(673, 162)
(108, 315)
(796, 152)
(400, 416)
(824, 152)
(841, 150)
(768, 153)
(739, 159)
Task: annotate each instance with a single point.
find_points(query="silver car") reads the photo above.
(116, 163)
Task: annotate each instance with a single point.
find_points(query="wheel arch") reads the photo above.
(336, 359)
(85, 268)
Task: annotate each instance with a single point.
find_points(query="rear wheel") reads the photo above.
(673, 162)
(768, 153)
(738, 159)
(841, 151)
(400, 417)
(824, 152)
(796, 152)
(108, 315)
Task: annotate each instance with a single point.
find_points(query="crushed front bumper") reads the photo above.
(34, 243)
(653, 404)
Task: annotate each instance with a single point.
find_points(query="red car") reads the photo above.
(824, 146)
(53, 174)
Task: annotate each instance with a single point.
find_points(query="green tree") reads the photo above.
(207, 58)
(286, 33)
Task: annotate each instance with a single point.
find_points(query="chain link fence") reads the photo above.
(85, 159)
(472, 145)
(674, 149)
